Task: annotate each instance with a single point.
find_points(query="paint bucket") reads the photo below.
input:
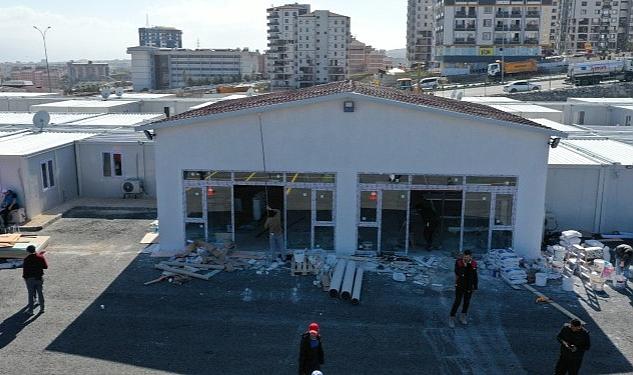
(558, 266)
(541, 279)
(599, 265)
(568, 284)
(559, 252)
(619, 282)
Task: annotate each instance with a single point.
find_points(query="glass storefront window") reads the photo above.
(194, 231)
(193, 202)
(259, 176)
(324, 238)
(476, 222)
(368, 238)
(393, 221)
(491, 181)
(437, 180)
(503, 209)
(501, 239)
(324, 205)
(219, 222)
(368, 206)
(383, 178)
(323, 178)
(207, 175)
(298, 218)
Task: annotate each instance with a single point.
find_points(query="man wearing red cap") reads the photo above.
(310, 351)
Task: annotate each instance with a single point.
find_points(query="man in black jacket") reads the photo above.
(466, 282)
(574, 341)
(311, 351)
(33, 272)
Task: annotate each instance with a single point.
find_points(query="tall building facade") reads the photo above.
(163, 68)
(468, 35)
(306, 48)
(87, 71)
(39, 76)
(160, 36)
(363, 58)
(597, 26)
(420, 20)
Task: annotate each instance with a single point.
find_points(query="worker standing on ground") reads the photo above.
(33, 272)
(310, 351)
(9, 203)
(276, 233)
(466, 282)
(623, 259)
(574, 342)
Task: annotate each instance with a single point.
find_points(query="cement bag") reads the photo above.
(594, 243)
(570, 234)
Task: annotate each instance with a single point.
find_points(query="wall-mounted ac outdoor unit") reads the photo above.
(132, 186)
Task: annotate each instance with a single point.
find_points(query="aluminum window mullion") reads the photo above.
(491, 218)
(312, 216)
(379, 222)
(232, 213)
(461, 223)
(406, 232)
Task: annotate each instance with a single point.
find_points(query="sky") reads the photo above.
(103, 30)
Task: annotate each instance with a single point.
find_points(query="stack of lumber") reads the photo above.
(203, 260)
(13, 245)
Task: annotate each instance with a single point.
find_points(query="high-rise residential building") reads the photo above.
(160, 36)
(468, 35)
(306, 48)
(420, 18)
(363, 58)
(598, 26)
(87, 71)
(39, 76)
(166, 68)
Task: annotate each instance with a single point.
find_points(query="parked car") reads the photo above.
(431, 83)
(519, 86)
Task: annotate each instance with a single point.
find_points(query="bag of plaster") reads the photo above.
(570, 234)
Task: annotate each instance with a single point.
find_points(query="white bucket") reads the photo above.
(597, 287)
(599, 265)
(541, 279)
(619, 282)
(568, 284)
(558, 266)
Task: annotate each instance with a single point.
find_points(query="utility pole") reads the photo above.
(48, 72)
(503, 45)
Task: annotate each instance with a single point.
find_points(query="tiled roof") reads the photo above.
(342, 87)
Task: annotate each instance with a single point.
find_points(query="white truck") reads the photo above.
(592, 72)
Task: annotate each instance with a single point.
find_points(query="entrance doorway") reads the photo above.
(435, 219)
(250, 214)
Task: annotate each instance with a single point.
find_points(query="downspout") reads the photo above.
(597, 218)
(78, 170)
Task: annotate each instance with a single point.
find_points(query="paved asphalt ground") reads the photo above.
(244, 323)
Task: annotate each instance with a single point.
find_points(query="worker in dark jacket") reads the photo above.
(623, 259)
(466, 282)
(33, 272)
(311, 351)
(574, 342)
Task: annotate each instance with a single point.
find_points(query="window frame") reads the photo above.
(112, 164)
(47, 174)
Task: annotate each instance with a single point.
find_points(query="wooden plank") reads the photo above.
(149, 238)
(556, 305)
(201, 266)
(212, 273)
(181, 271)
(9, 237)
(247, 255)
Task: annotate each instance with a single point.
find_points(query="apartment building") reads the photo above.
(363, 58)
(165, 68)
(160, 36)
(39, 76)
(468, 35)
(420, 19)
(87, 71)
(306, 48)
(598, 26)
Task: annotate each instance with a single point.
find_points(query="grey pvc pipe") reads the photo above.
(358, 285)
(348, 280)
(337, 278)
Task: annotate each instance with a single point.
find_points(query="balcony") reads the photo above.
(531, 27)
(515, 41)
(336, 71)
(464, 41)
(501, 28)
(273, 23)
(515, 27)
(465, 14)
(533, 14)
(502, 14)
(515, 14)
(306, 78)
(530, 41)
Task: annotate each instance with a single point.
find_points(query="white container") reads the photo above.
(598, 265)
(541, 279)
(568, 284)
(619, 282)
(559, 253)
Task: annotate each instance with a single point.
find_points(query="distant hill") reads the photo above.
(399, 53)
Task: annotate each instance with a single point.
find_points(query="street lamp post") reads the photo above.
(503, 45)
(48, 72)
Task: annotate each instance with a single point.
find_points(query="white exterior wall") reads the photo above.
(142, 70)
(23, 104)
(594, 114)
(619, 117)
(618, 200)
(573, 195)
(376, 138)
(121, 107)
(10, 170)
(137, 162)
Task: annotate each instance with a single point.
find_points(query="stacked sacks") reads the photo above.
(507, 262)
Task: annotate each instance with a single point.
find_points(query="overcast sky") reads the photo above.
(102, 30)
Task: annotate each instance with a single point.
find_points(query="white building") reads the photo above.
(353, 167)
(165, 68)
(306, 48)
(420, 25)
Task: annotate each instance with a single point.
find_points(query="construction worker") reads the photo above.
(310, 351)
(276, 234)
(466, 282)
(574, 342)
(33, 272)
(623, 259)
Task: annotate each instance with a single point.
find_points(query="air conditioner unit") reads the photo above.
(132, 186)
